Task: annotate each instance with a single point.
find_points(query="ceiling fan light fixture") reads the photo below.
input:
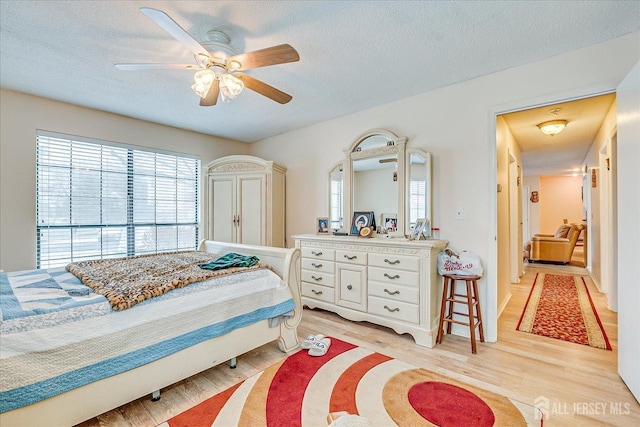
(230, 87)
(203, 80)
(200, 90)
(552, 127)
(205, 77)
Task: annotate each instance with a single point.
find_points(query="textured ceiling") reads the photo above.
(350, 52)
(564, 153)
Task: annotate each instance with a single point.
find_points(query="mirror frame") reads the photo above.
(398, 148)
(428, 188)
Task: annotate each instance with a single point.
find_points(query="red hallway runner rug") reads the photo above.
(559, 306)
(302, 390)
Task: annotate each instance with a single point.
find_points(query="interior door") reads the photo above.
(251, 210)
(222, 209)
(628, 145)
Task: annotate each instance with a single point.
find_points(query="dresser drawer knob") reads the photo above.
(397, 261)
(391, 309)
(397, 276)
(316, 253)
(391, 293)
(316, 265)
(351, 257)
(349, 287)
(316, 292)
(316, 278)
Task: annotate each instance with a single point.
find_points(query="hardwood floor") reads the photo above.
(581, 383)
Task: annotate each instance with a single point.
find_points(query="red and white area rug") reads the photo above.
(559, 306)
(302, 390)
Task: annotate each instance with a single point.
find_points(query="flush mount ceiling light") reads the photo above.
(552, 127)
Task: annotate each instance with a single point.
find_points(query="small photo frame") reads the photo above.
(416, 234)
(360, 220)
(322, 225)
(389, 222)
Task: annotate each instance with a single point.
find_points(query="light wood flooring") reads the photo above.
(581, 383)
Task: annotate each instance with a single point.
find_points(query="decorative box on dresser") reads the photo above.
(390, 282)
(245, 201)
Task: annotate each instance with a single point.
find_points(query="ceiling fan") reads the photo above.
(218, 66)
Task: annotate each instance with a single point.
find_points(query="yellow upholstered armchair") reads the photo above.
(555, 248)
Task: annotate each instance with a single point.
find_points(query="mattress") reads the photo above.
(57, 335)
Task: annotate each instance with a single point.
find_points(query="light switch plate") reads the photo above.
(459, 213)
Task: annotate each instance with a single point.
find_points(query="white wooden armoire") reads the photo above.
(245, 201)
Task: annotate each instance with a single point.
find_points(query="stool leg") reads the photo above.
(452, 291)
(478, 311)
(472, 322)
(442, 310)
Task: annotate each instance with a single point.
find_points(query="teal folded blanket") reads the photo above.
(229, 260)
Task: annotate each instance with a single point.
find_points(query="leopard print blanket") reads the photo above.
(128, 281)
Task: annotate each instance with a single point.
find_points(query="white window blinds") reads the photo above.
(417, 200)
(336, 204)
(102, 200)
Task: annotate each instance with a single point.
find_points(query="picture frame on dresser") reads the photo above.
(418, 229)
(361, 219)
(389, 222)
(322, 225)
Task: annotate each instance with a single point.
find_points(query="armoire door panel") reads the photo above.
(221, 221)
(251, 210)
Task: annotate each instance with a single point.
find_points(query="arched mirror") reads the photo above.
(336, 197)
(418, 189)
(374, 176)
(381, 181)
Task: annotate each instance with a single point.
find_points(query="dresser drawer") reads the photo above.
(351, 257)
(318, 265)
(398, 310)
(394, 292)
(318, 277)
(322, 293)
(393, 276)
(317, 253)
(401, 262)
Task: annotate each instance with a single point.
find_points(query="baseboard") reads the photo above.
(504, 304)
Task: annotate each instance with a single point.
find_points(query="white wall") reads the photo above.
(628, 218)
(560, 199)
(21, 115)
(457, 125)
(594, 222)
(534, 208)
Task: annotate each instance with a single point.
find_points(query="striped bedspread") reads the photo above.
(40, 362)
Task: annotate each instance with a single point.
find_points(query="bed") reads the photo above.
(237, 335)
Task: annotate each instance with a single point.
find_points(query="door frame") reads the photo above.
(493, 113)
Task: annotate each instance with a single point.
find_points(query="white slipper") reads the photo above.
(319, 348)
(308, 342)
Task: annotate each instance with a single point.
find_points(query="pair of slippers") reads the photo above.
(317, 345)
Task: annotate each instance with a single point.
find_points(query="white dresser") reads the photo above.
(390, 282)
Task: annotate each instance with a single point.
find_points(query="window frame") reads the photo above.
(76, 226)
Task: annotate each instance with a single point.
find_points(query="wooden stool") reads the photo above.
(470, 300)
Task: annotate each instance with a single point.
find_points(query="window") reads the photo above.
(104, 200)
(417, 201)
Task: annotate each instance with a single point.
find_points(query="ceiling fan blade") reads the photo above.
(264, 89)
(261, 58)
(170, 26)
(138, 67)
(212, 95)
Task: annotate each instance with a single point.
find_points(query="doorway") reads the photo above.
(572, 153)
